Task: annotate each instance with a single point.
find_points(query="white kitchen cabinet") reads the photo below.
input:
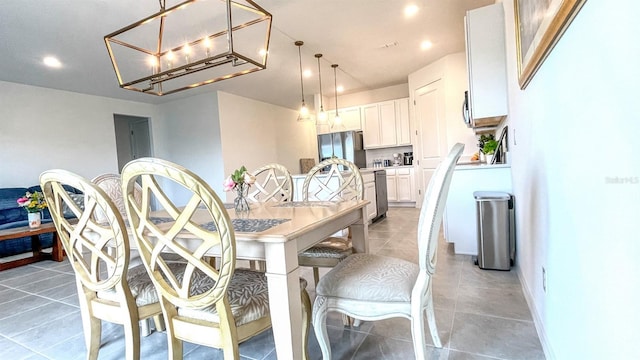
(386, 124)
(403, 130)
(392, 185)
(370, 194)
(405, 184)
(350, 118)
(486, 65)
(400, 185)
(460, 222)
(371, 126)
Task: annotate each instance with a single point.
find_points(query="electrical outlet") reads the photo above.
(544, 279)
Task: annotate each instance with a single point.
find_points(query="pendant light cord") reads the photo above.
(318, 56)
(299, 44)
(335, 85)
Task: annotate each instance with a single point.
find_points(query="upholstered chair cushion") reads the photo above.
(140, 285)
(333, 247)
(248, 297)
(371, 278)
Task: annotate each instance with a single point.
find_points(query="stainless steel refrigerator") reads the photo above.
(344, 145)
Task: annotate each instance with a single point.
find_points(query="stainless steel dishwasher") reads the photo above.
(382, 203)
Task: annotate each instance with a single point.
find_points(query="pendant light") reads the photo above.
(337, 121)
(167, 52)
(303, 114)
(322, 115)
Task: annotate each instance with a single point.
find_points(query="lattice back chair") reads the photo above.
(273, 183)
(341, 182)
(202, 304)
(124, 295)
(375, 287)
(112, 186)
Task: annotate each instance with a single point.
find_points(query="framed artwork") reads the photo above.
(539, 26)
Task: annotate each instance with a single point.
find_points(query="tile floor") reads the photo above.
(481, 314)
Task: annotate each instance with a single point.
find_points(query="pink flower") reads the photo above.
(228, 184)
(23, 201)
(249, 179)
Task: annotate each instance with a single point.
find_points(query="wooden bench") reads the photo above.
(57, 253)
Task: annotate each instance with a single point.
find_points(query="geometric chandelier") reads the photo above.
(194, 43)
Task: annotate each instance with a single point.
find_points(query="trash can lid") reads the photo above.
(491, 195)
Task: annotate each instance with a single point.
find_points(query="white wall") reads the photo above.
(255, 133)
(188, 133)
(42, 129)
(368, 97)
(574, 130)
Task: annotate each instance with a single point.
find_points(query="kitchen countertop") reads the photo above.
(385, 167)
(476, 165)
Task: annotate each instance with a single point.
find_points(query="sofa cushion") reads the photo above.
(12, 216)
(10, 211)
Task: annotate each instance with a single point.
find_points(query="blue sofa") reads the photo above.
(12, 216)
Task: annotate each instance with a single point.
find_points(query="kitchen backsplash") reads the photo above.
(385, 154)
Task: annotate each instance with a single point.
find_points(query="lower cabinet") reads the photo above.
(401, 185)
(370, 194)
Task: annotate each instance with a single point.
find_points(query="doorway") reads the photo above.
(432, 134)
(132, 138)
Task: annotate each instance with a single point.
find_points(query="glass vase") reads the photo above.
(241, 204)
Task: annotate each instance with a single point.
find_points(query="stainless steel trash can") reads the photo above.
(495, 219)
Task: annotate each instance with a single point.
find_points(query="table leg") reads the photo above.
(284, 299)
(360, 234)
(35, 246)
(57, 252)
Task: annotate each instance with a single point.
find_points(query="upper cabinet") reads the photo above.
(386, 124)
(350, 118)
(486, 65)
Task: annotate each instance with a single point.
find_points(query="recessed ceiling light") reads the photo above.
(410, 10)
(426, 45)
(307, 73)
(51, 61)
(340, 88)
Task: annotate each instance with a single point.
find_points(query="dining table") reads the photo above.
(276, 233)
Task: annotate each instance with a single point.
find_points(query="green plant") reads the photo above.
(489, 147)
(238, 179)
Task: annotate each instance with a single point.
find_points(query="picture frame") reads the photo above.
(539, 26)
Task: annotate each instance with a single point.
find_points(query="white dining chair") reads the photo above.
(212, 306)
(331, 180)
(273, 184)
(375, 287)
(112, 186)
(123, 295)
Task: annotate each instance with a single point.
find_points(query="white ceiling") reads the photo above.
(351, 33)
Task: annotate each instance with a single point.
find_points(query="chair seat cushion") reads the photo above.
(371, 278)
(140, 285)
(247, 293)
(333, 247)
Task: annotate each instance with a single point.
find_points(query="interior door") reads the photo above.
(431, 123)
(140, 140)
(133, 138)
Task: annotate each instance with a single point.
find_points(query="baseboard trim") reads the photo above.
(537, 320)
